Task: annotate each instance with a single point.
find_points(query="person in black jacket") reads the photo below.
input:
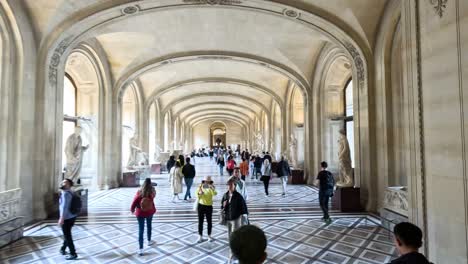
(283, 171)
(234, 206)
(189, 173)
(326, 184)
(170, 163)
(181, 160)
(408, 239)
(258, 166)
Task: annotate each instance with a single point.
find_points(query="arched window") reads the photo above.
(349, 117)
(69, 111)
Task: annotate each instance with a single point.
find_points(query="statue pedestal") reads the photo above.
(11, 225)
(130, 178)
(347, 199)
(83, 193)
(395, 207)
(155, 168)
(297, 176)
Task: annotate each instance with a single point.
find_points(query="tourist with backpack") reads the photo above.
(69, 207)
(326, 184)
(144, 209)
(231, 163)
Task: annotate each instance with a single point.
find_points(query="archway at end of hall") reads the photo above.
(217, 135)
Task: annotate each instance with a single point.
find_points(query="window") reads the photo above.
(349, 117)
(69, 112)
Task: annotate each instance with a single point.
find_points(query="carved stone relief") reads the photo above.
(358, 62)
(396, 199)
(9, 204)
(439, 6)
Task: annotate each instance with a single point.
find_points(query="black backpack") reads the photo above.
(330, 181)
(75, 205)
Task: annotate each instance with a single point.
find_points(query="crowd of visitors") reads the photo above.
(247, 242)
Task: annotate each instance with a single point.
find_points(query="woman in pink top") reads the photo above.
(144, 209)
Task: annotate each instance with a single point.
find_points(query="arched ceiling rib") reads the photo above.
(247, 109)
(180, 103)
(206, 112)
(218, 116)
(221, 84)
(219, 119)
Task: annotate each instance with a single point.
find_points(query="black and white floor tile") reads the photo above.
(292, 224)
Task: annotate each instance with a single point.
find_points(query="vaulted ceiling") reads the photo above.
(210, 57)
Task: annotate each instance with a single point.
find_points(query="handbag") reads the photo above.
(222, 217)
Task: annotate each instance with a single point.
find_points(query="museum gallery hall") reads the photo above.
(326, 127)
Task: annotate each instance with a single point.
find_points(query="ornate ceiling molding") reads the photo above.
(170, 88)
(213, 2)
(358, 63)
(439, 6)
(211, 94)
(210, 105)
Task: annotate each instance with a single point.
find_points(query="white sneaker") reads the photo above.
(140, 252)
(210, 239)
(150, 242)
(200, 239)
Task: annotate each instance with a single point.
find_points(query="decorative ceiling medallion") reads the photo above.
(439, 6)
(291, 13)
(130, 10)
(214, 2)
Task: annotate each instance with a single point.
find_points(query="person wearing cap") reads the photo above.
(205, 193)
(234, 207)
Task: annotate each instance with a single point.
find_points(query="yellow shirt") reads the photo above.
(206, 198)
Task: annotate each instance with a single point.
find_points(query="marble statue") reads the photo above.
(137, 156)
(293, 151)
(157, 154)
(259, 142)
(74, 153)
(344, 157)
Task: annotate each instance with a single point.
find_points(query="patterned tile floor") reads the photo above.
(292, 224)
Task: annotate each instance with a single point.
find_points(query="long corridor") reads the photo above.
(292, 224)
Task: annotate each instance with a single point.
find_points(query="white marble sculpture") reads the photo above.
(396, 199)
(74, 151)
(137, 156)
(344, 157)
(259, 143)
(293, 151)
(157, 153)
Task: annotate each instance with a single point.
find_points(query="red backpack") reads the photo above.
(146, 204)
(231, 164)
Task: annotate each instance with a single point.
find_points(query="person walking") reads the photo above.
(244, 168)
(266, 175)
(252, 166)
(189, 173)
(283, 171)
(258, 163)
(67, 219)
(231, 164)
(241, 187)
(234, 207)
(143, 207)
(175, 179)
(221, 164)
(170, 163)
(205, 193)
(326, 184)
(181, 160)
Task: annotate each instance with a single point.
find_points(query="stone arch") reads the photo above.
(208, 104)
(56, 45)
(159, 92)
(239, 115)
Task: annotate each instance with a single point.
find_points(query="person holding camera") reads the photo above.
(205, 193)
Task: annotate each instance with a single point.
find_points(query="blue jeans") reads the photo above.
(221, 170)
(141, 228)
(188, 183)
